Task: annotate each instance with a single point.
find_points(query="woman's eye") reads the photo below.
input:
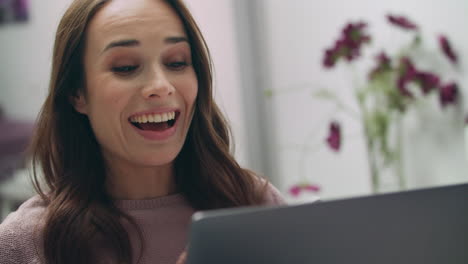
(177, 65)
(123, 70)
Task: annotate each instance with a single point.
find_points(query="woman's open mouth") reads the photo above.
(155, 122)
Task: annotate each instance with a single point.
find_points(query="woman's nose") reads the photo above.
(158, 86)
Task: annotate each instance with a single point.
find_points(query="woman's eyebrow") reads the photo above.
(121, 43)
(134, 42)
(174, 40)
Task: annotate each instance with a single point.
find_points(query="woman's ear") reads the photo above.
(79, 103)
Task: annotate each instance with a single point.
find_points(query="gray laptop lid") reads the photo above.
(427, 226)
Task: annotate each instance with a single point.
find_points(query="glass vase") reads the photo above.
(385, 153)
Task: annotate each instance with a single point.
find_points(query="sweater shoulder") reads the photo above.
(19, 233)
(271, 195)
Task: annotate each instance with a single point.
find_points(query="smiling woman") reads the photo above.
(138, 65)
(129, 140)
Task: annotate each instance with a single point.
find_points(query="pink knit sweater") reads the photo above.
(164, 222)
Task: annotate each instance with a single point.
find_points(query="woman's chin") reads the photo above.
(157, 161)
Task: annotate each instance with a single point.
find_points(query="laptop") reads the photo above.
(427, 226)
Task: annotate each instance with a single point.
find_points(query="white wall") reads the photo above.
(26, 51)
(216, 21)
(297, 32)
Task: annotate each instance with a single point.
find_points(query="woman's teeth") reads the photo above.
(153, 118)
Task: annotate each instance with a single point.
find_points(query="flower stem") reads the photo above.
(375, 181)
(399, 160)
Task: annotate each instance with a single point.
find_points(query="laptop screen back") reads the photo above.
(415, 227)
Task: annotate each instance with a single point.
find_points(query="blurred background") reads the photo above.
(270, 82)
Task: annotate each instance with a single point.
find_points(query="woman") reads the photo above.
(129, 141)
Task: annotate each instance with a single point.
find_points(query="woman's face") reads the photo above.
(140, 83)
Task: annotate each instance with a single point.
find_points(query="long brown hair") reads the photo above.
(68, 156)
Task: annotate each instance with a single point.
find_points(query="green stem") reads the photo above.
(400, 172)
(372, 164)
(348, 109)
(370, 152)
(375, 180)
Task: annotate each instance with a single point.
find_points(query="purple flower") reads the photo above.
(407, 70)
(448, 94)
(383, 65)
(330, 58)
(447, 49)
(407, 74)
(348, 45)
(383, 59)
(334, 136)
(428, 81)
(295, 190)
(332, 55)
(353, 34)
(401, 22)
(353, 37)
(401, 84)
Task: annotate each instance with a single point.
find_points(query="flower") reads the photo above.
(447, 49)
(428, 81)
(295, 190)
(448, 94)
(330, 58)
(348, 45)
(401, 22)
(334, 136)
(386, 94)
(383, 65)
(407, 74)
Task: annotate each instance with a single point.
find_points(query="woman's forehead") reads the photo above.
(136, 17)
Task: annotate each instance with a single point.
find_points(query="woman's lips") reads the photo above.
(156, 126)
